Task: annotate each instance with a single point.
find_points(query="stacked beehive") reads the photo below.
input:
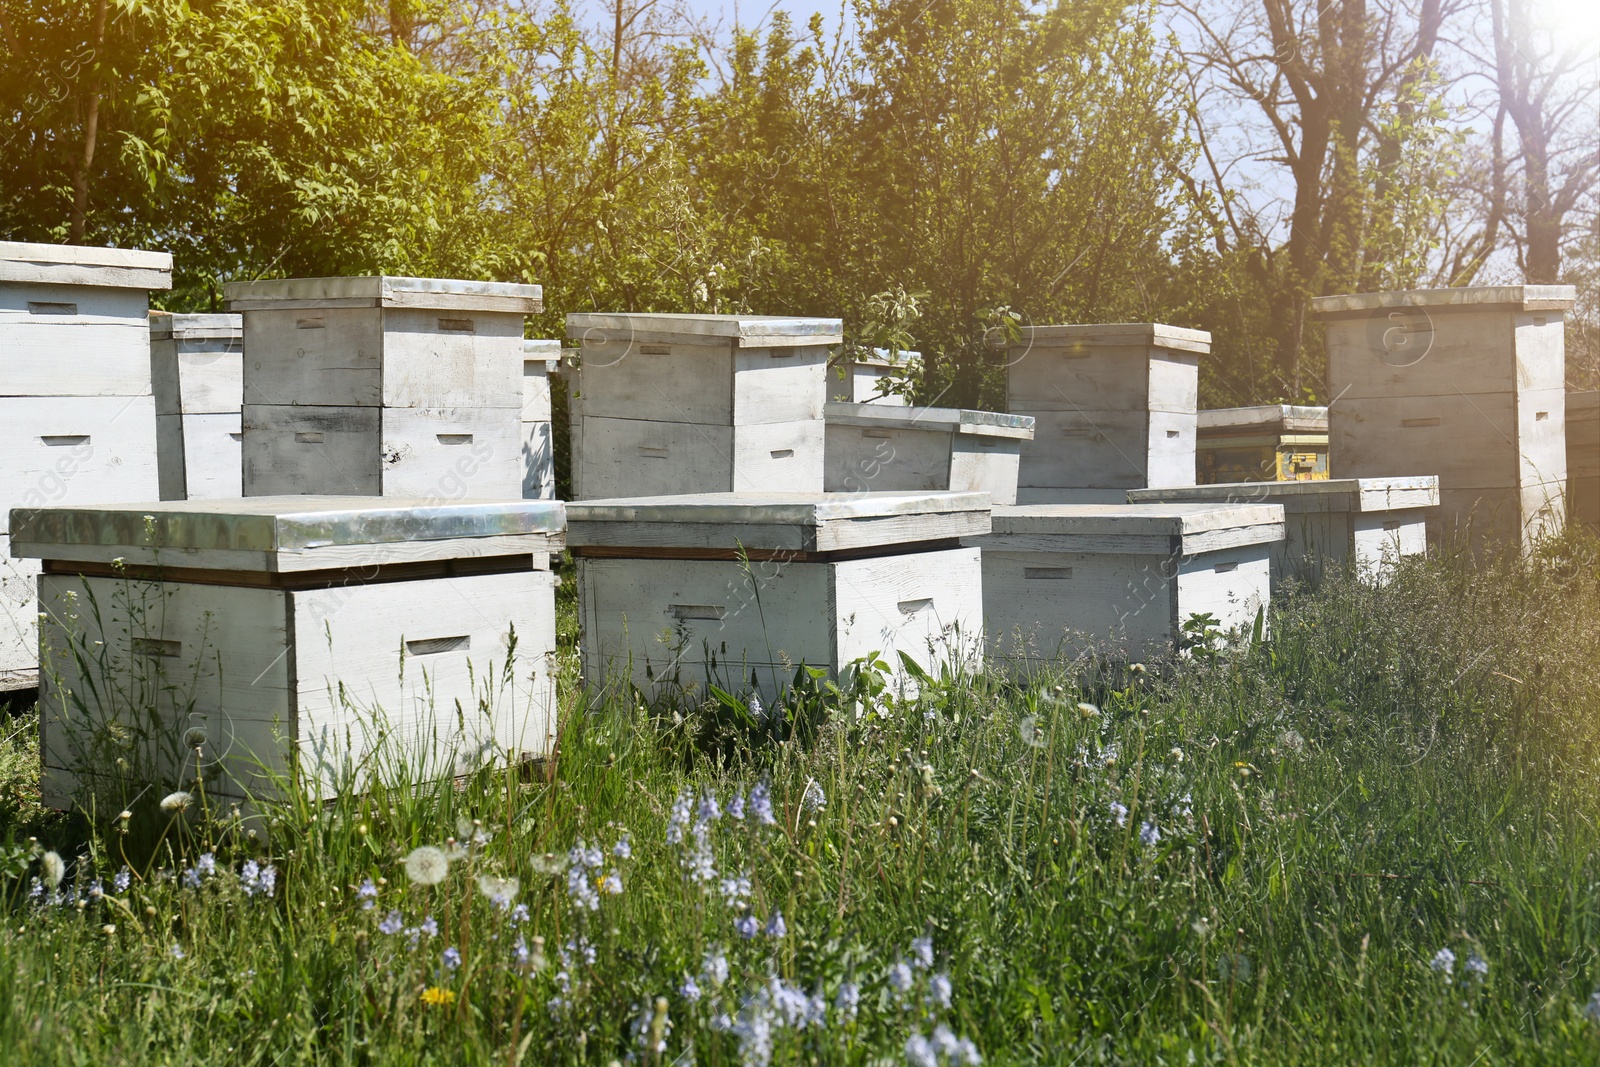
(383, 386)
(1467, 384)
(540, 360)
(197, 369)
(1113, 408)
(77, 415)
(860, 380)
(1274, 442)
(678, 404)
(336, 638)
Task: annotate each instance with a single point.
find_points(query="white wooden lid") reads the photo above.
(741, 331)
(1085, 336)
(1477, 297)
(1144, 519)
(439, 294)
(809, 522)
(122, 268)
(1289, 418)
(1329, 494)
(948, 420)
(195, 327)
(285, 532)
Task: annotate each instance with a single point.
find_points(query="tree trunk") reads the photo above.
(91, 129)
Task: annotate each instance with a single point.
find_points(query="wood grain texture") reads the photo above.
(208, 463)
(422, 668)
(297, 451)
(452, 454)
(433, 359)
(782, 457)
(1470, 442)
(859, 459)
(636, 457)
(30, 263)
(1108, 450)
(779, 385)
(1380, 541)
(985, 464)
(19, 633)
(199, 375)
(535, 390)
(1432, 352)
(1039, 606)
(538, 462)
(928, 605)
(1542, 436)
(324, 356)
(67, 355)
(71, 450)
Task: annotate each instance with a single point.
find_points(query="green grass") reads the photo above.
(1395, 772)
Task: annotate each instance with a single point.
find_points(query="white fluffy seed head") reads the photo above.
(426, 865)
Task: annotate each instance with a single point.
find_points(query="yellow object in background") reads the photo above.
(1282, 443)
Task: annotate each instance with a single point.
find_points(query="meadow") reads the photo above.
(1369, 838)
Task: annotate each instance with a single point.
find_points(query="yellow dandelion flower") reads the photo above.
(439, 998)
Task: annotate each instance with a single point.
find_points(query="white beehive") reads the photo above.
(77, 414)
(1368, 523)
(540, 360)
(667, 603)
(1583, 458)
(880, 448)
(679, 404)
(197, 368)
(1113, 407)
(1467, 384)
(407, 387)
(860, 380)
(318, 636)
(1121, 578)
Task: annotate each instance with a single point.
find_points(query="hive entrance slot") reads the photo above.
(51, 307)
(308, 437)
(1224, 568)
(454, 438)
(1420, 422)
(154, 646)
(911, 607)
(430, 646)
(1050, 573)
(783, 453)
(457, 326)
(715, 612)
(313, 322)
(64, 440)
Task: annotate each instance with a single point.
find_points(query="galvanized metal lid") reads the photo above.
(1287, 418)
(1082, 337)
(440, 294)
(1329, 494)
(805, 522)
(278, 533)
(121, 268)
(164, 325)
(1464, 298)
(950, 420)
(740, 331)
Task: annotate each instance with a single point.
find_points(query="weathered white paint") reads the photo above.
(197, 363)
(19, 611)
(1583, 458)
(199, 456)
(74, 449)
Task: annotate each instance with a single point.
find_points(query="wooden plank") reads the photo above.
(212, 462)
(927, 605)
(1106, 450)
(327, 357)
(538, 462)
(1040, 607)
(781, 457)
(1111, 378)
(81, 265)
(1433, 352)
(62, 355)
(198, 377)
(685, 383)
(1232, 585)
(985, 464)
(1171, 449)
(1470, 442)
(1542, 436)
(388, 291)
(1380, 541)
(434, 359)
(69, 450)
(450, 454)
(737, 331)
(860, 458)
(295, 451)
(446, 709)
(535, 390)
(779, 385)
(170, 476)
(635, 457)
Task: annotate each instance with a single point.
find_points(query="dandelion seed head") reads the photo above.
(175, 802)
(53, 867)
(426, 865)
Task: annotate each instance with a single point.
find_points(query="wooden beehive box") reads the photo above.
(668, 605)
(1121, 579)
(1113, 407)
(326, 636)
(860, 380)
(1368, 523)
(77, 415)
(879, 448)
(691, 404)
(1274, 442)
(540, 360)
(383, 386)
(1583, 458)
(1464, 383)
(197, 369)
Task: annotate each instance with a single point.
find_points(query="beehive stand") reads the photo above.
(693, 404)
(1583, 458)
(1276, 442)
(667, 604)
(1065, 579)
(333, 636)
(876, 447)
(1467, 384)
(197, 369)
(1114, 409)
(77, 415)
(407, 387)
(1368, 523)
(539, 362)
